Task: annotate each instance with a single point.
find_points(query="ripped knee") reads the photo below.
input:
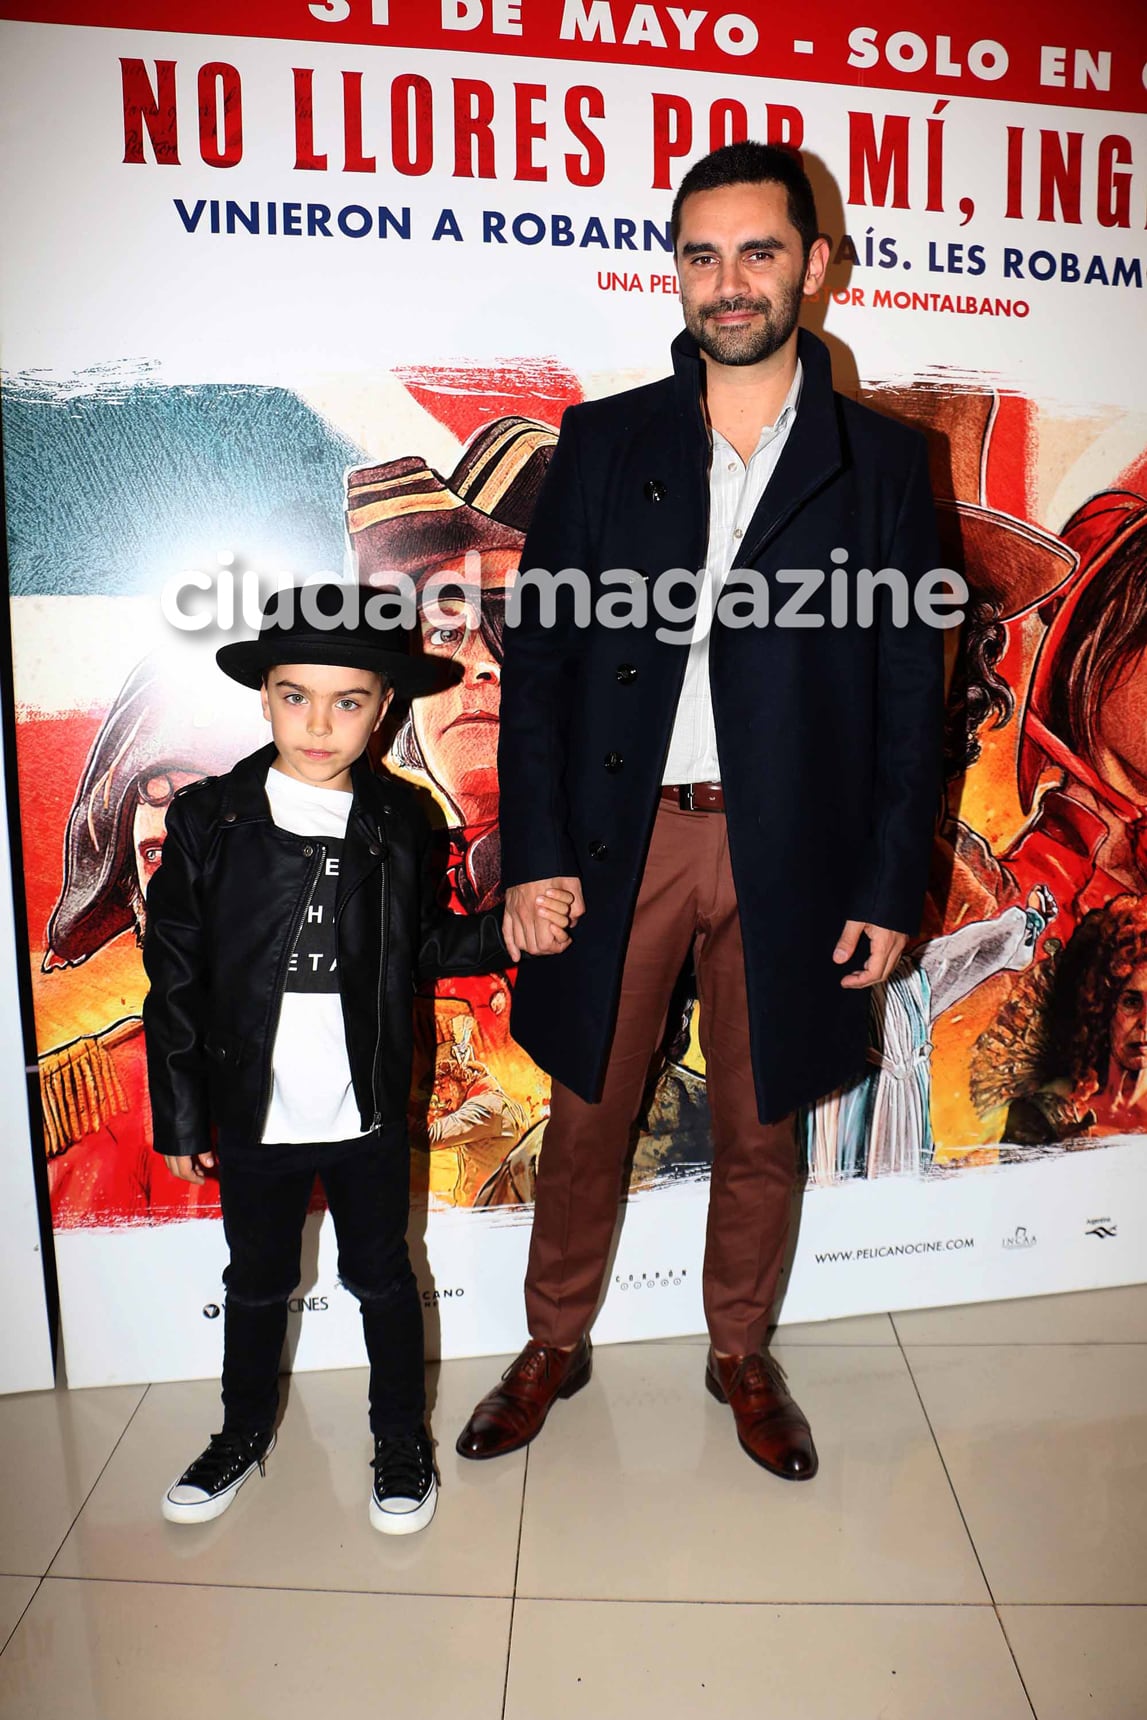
(377, 1295)
(240, 1298)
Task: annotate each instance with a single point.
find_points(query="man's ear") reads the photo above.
(819, 257)
(265, 699)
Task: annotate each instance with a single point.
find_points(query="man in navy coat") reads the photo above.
(759, 787)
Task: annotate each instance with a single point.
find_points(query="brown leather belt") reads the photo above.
(695, 796)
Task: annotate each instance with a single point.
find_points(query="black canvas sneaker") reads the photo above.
(206, 1489)
(405, 1486)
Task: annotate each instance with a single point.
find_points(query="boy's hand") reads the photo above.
(190, 1167)
(537, 916)
(556, 906)
(553, 906)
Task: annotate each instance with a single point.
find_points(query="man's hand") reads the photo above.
(536, 916)
(189, 1167)
(885, 949)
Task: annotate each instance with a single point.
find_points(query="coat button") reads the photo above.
(626, 673)
(230, 817)
(375, 849)
(655, 490)
(613, 762)
(598, 850)
(308, 849)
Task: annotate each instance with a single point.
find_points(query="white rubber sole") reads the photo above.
(205, 1510)
(403, 1522)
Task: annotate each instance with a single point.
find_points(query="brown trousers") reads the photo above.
(686, 898)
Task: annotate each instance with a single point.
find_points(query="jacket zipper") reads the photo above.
(281, 981)
(376, 1121)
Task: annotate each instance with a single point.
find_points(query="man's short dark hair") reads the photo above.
(752, 164)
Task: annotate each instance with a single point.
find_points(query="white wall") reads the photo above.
(25, 1350)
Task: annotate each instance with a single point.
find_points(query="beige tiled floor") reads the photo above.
(815, 1663)
(1047, 1453)
(691, 1519)
(305, 1525)
(55, 1445)
(1081, 1663)
(15, 1593)
(975, 1544)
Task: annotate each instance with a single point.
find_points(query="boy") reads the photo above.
(287, 926)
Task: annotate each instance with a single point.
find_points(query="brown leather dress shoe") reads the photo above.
(770, 1425)
(509, 1416)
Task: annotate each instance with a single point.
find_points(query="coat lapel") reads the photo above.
(366, 838)
(244, 787)
(811, 455)
(694, 445)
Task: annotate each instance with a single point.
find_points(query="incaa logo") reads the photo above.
(211, 1311)
(672, 1278)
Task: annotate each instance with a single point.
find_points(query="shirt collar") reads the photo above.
(792, 398)
(789, 410)
(769, 432)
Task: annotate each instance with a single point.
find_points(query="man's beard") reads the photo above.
(746, 344)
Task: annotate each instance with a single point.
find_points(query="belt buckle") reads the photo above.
(685, 797)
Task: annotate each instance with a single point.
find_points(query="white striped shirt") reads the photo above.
(735, 490)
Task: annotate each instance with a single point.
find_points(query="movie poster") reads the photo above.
(292, 290)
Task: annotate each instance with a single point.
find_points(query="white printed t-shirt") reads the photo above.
(312, 1098)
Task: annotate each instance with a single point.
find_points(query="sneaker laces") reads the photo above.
(224, 1452)
(402, 1466)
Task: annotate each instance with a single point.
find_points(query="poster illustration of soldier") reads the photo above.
(476, 1097)
(1051, 661)
(97, 1123)
(475, 1093)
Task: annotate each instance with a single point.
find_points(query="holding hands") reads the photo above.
(538, 917)
(536, 921)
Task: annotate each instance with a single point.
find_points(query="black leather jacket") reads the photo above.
(223, 912)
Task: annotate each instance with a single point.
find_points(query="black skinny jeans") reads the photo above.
(367, 1185)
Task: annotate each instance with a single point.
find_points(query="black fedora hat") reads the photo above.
(332, 623)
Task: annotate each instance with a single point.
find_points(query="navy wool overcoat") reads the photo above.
(829, 735)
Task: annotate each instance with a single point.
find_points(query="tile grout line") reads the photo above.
(774, 1604)
(514, 1595)
(964, 1520)
(98, 1479)
(43, 1577)
(1015, 1662)
(995, 1343)
(39, 1585)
